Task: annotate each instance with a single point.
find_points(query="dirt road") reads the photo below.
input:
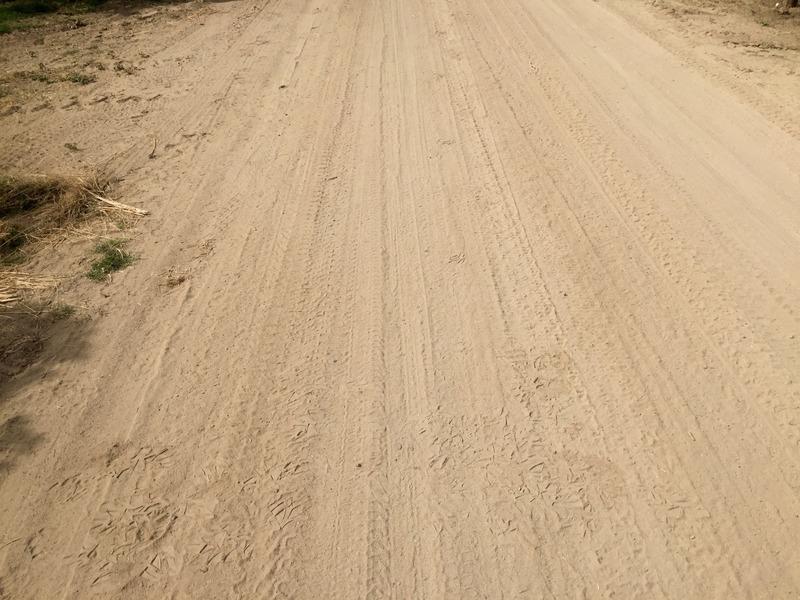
(484, 299)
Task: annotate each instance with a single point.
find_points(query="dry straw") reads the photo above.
(36, 207)
(14, 284)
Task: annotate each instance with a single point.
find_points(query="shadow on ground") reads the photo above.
(31, 342)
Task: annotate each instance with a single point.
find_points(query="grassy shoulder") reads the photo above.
(20, 14)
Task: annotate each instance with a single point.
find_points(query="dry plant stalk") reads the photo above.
(120, 205)
(14, 285)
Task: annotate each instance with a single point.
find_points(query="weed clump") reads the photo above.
(81, 78)
(114, 258)
(42, 75)
(62, 311)
(45, 75)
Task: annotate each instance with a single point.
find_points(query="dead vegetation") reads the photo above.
(36, 207)
(35, 210)
(16, 286)
(32, 208)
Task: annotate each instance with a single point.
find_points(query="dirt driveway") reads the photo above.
(480, 299)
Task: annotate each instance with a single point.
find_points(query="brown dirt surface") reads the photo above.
(436, 299)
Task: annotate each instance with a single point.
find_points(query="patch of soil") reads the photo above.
(22, 340)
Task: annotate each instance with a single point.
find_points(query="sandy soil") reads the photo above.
(479, 299)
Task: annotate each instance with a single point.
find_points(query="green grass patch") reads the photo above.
(6, 27)
(114, 258)
(17, 15)
(33, 7)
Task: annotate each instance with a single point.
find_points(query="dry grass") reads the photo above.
(31, 208)
(34, 211)
(14, 285)
(35, 208)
